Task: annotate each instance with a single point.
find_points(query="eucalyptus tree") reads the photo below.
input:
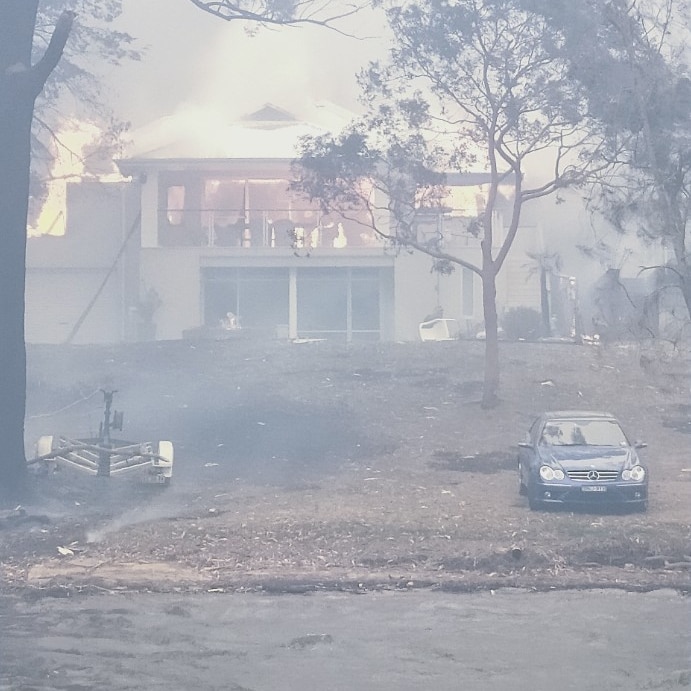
(21, 82)
(469, 85)
(654, 200)
(75, 92)
(631, 58)
(38, 65)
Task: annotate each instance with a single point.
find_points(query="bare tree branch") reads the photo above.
(276, 13)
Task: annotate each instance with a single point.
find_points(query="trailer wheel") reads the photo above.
(166, 453)
(44, 446)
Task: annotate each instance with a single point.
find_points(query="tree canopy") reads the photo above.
(467, 86)
(75, 91)
(629, 58)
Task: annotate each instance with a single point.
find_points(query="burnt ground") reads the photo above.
(316, 466)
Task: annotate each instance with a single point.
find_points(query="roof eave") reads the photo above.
(133, 166)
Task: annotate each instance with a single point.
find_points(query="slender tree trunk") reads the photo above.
(683, 269)
(20, 84)
(490, 393)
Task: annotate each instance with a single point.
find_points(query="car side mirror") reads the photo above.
(640, 445)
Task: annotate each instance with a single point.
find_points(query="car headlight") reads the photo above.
(548, 473)
(635, 474)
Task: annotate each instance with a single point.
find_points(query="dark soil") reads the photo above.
(314, 465)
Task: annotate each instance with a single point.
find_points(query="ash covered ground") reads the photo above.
(316, 466)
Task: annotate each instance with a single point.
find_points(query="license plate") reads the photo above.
(594, 488)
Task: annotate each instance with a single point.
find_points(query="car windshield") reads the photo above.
(582, 433)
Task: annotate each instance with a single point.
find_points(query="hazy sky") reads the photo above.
(195, 57)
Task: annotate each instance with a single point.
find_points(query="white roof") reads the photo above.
(193, 132)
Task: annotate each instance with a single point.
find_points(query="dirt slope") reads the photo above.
(318, 466)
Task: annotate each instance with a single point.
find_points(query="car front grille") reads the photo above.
(593, 475)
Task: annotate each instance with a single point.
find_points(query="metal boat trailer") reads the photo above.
(105, 456)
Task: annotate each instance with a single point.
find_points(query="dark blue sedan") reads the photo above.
(581, 457)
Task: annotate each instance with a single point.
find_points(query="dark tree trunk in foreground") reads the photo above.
(20, 84)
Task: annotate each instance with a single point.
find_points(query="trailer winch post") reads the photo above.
(105, 441)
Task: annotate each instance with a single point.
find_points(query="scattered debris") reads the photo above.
(19, 516)
(310, 640)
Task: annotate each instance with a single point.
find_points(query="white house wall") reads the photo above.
(101, 216)
(175, 276)
(419, 293)
(518, 283)
(415, 295)
(57, 299)
(66, 273)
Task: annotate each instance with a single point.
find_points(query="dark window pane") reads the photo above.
(322, 300)
(365, 301)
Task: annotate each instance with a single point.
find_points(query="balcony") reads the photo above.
(276, 228)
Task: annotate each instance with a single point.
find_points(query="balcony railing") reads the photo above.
(298, 229)
(304, 229)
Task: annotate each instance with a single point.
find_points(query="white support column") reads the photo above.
(292, 303)
(349, 307)
(150, 210)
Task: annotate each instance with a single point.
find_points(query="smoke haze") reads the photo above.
(192, 56)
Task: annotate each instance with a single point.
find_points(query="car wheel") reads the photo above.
(522, 489)
(533, 502)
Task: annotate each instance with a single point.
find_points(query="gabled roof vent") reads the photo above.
(268, 114)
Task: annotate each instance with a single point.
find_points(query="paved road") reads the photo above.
(403, 641)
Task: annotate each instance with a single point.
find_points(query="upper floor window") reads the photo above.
(225, 211)
(175, 204)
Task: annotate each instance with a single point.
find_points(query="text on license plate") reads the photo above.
(594, 488)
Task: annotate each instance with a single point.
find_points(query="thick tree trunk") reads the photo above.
(686, 291)
(20, 83)
(17, 20)
(490, 393)
(683, 272)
